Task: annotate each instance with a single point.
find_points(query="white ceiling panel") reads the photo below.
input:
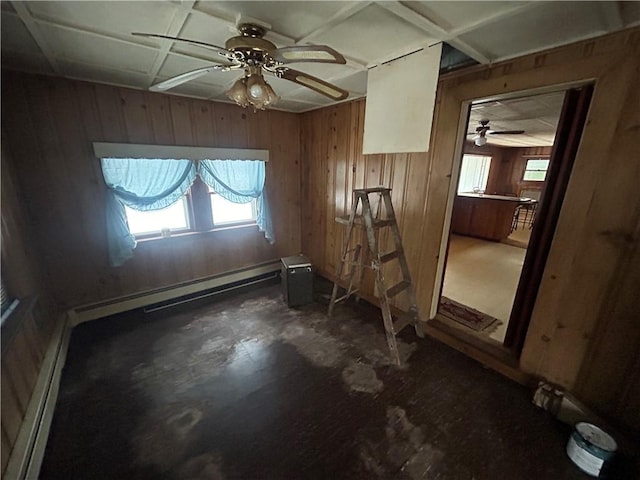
(15, 36)
(374, 35)
(120, 18)
(96, 73)
(293, 106)
(92, 39)
(293, 19)
(205, 28)
(630, 13)
(546, 25)
(455, 15)
(29, 62)
(82, 47)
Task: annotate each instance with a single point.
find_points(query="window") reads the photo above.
(169, 188)
(225, 212)
(536, 170)
(474, 173)
(174, 217)
(193, 212)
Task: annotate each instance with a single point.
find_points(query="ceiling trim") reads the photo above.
(31, 25)
(433, 29)
(175, 27)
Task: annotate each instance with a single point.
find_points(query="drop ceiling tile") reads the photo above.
(293, 19)
(26, 62)
(177, 64)
(15, 35)
(454, 15)
(205, 28)
(7, 7)
(99, 74)
(82, 47)
(545, 26)
(356, 83)
(293, 106)
(119, 18)
(374, 35)
(630, 13)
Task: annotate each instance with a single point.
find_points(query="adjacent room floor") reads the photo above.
(246, 388)
(484, 275)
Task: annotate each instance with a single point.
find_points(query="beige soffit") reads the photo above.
(134, 150)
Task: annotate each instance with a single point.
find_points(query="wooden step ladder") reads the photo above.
(354, 259)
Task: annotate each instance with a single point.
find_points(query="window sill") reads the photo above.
(194, 234)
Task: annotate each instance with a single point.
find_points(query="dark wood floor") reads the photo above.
(246, 388)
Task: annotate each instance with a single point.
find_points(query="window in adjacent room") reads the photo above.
(474, 173)
(536, 170)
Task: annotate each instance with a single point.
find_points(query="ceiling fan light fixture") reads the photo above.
(238, 93)
(480, 140)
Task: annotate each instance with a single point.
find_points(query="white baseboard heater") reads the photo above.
(176, 294)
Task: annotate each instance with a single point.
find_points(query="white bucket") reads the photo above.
(590, 447)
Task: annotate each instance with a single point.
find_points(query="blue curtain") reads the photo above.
(141, 184)
(240, 181)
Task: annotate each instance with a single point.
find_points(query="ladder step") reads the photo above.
(346, 295)
(372, 190)
(396, 289)
(408, 318)
(383, 223)
(359, 220)
(387, 257)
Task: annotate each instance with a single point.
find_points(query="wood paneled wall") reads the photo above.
(508, 176)
(333, 166)
(50, 125)
(26, 333)
(598, 220)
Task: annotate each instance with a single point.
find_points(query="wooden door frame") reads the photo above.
(517, 333)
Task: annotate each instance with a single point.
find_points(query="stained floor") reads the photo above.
(246, 388)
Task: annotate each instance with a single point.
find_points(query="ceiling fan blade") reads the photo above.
(314, 83)
(222, 51)
(185, 77)
(307, 53)
(506, 132)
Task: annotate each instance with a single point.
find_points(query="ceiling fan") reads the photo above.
(483, 130)
(254, 55)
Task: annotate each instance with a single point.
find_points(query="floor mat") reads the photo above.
(467, 316)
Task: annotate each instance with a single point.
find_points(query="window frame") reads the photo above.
(525, 170)
(483, 158)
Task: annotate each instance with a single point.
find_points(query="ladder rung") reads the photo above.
(383, 223)
(359, 220)
(396, 289)
(372, 190)
(387, 257)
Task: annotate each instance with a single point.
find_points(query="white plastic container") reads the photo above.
(590, 447)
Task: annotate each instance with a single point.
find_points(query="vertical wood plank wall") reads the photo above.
(26, 333)
(50, 125)
(597, 223)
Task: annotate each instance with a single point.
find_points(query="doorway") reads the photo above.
(512, 173)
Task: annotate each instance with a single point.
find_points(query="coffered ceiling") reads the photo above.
(92, 40)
